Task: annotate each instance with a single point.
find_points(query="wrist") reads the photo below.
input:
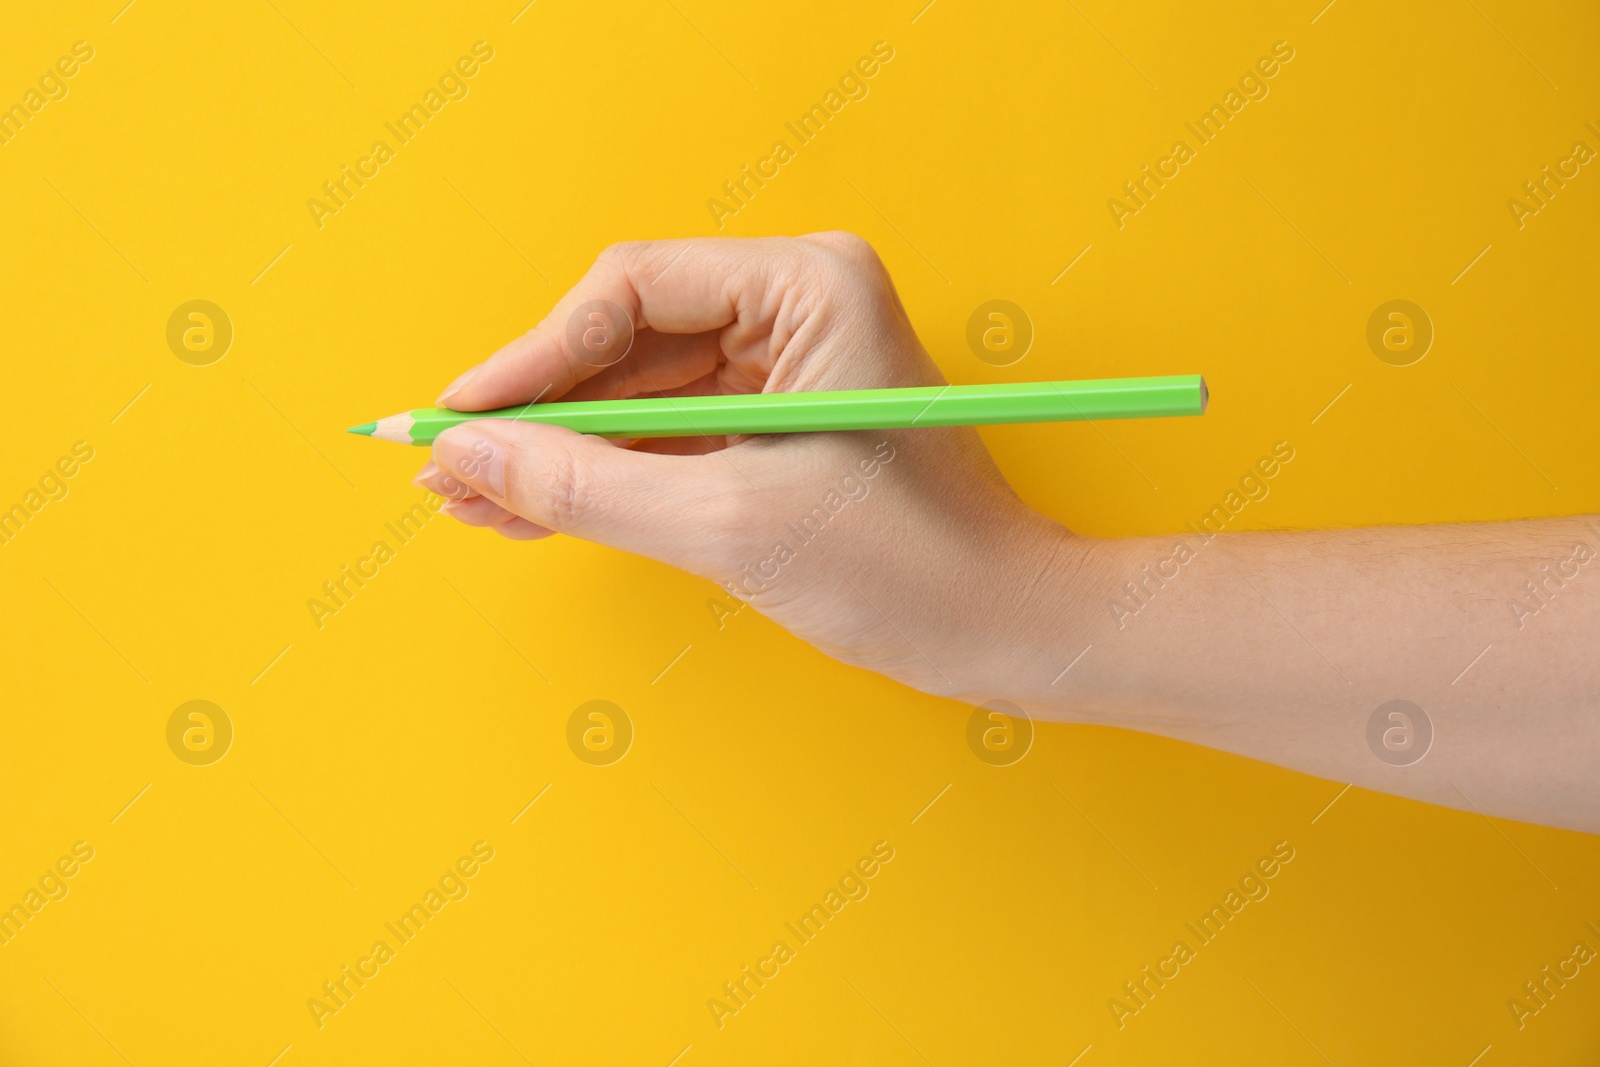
(1041, 622)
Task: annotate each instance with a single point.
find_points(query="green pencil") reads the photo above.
(853, 409)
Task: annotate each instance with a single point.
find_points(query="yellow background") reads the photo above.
(373, 752)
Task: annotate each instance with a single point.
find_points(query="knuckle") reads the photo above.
(728, 520)
(738, 528)
(564, 489)
(621, 254)
(850, 248)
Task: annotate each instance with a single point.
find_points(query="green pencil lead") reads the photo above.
(365, 429)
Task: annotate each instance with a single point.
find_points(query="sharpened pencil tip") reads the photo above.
(365, 429)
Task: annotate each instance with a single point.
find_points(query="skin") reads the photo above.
(1277, 646)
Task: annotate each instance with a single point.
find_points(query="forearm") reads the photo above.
(1282, 646)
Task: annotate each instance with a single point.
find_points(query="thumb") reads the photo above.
(678, 509)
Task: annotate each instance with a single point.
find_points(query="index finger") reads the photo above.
(680, 286)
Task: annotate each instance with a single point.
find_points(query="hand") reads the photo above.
(903, 551)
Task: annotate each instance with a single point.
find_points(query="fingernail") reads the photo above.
(474, 458)
(437, 481)
(455, 387)
(447, 486)
(428, 471)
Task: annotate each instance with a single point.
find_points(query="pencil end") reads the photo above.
(365, 429)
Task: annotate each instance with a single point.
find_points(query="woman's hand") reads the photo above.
(903, 551)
